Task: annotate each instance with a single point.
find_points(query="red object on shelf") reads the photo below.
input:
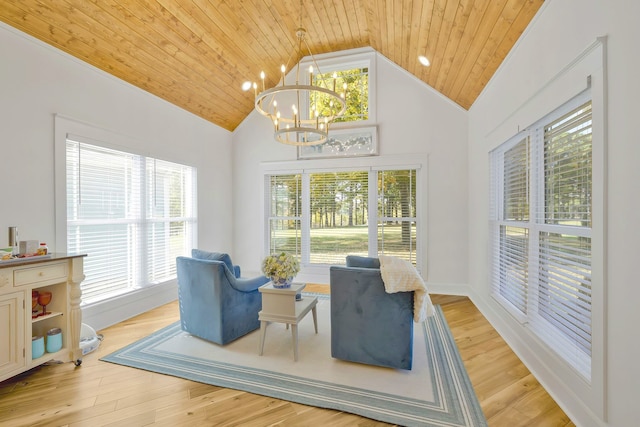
(44, 298)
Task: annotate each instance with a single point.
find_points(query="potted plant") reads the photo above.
(281, 269)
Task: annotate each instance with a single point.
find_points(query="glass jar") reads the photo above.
(43, 249)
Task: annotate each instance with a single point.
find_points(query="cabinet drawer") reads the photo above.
(44, 273)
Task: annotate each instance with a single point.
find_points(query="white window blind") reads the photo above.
(131, 214)
(339, 210)
(284, 213)
(541, 222)
(397, 218)
(563, 313)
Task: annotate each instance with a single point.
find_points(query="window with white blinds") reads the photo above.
(131, 214)
(541, 219)
(324, 216)
(284, 213)
(397, 217)
(339, 213)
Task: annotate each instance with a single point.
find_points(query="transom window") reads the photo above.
(355, 83)
(353, 75)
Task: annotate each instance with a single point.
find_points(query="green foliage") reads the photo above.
(357, 81)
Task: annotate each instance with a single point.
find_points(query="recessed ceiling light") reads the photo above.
(424, 60)
(246, 86)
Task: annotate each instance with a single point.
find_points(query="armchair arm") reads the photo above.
(236, 271)
(249, 285)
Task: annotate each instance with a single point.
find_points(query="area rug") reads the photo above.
(436, 392)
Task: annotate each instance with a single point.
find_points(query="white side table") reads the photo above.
(280, 305)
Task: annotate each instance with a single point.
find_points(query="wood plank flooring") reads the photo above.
(104, 394)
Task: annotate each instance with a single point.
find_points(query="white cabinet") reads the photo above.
(59, 274)
(12, 354)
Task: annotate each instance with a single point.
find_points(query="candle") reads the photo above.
(282, 69)
(262, 77)
(310, 75)
(335, 76)
(255, 89)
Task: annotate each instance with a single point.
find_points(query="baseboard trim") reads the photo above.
(114, 310)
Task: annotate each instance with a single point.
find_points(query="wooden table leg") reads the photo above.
(294, 334)
(315, 318)
(263, 332)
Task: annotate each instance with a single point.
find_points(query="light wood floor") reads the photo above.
(100, 393)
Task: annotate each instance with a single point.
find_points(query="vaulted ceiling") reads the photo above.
(196, 53)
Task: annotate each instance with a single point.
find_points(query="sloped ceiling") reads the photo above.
(196, 53)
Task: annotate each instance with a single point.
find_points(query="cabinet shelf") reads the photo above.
(49, 356)
(48, 316)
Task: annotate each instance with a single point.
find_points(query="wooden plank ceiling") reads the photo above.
(196, 53)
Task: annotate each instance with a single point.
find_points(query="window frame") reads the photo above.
(400, 162)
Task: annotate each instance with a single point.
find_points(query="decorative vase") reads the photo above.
(281, 283)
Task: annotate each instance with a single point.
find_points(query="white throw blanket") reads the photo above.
(399, 275)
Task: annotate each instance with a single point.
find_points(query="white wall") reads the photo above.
(559, 34)
(38, 81)
(412, 120)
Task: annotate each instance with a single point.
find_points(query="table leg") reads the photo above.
(263, 332)
(315, 318)
(294, 334)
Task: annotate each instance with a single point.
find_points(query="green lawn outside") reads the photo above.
(331, 245)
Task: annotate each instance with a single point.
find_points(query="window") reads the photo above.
(397, 214)
(355, 83)
(339, 211)
(351, 76)
(325, 216)
(132, 214)
(284, 222)
(541, 229)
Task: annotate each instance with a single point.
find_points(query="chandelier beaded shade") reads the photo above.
(301, 113)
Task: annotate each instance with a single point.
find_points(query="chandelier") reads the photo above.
(300, 113)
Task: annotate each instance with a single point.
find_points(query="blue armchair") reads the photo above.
(369, 325)
(215, 303)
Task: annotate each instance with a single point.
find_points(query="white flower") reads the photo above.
(282, 266)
